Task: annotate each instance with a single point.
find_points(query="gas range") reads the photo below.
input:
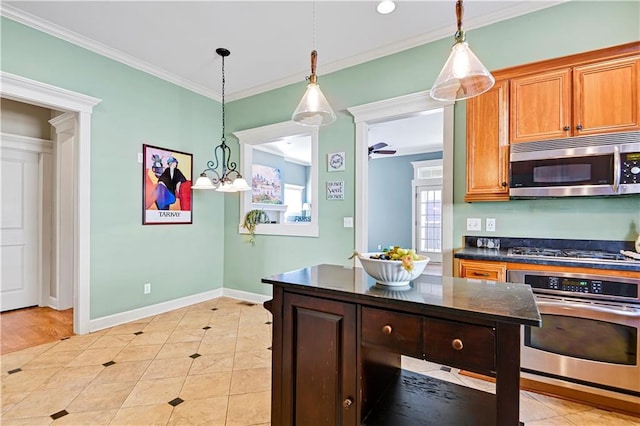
(572, 255)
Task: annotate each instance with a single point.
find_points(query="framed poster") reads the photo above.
(166, 186)
(266, 184)
(335, 161)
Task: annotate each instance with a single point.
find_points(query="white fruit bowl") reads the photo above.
(391, 272)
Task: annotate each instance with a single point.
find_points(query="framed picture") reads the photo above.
(266, 184)
(335, 161)
(335, 190)
(166, 186)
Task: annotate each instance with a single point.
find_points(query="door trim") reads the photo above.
(36, 93)
(401, 106)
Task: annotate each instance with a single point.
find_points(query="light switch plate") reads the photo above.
(474, 224)
(348, 222)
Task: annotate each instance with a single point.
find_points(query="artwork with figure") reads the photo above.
(166, 182)
(266, 183)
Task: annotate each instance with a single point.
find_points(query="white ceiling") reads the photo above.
(270, 42)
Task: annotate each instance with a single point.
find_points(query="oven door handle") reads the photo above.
(590, 307)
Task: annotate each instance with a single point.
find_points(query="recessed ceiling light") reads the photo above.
(386, 6)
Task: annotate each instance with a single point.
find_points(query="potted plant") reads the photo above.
(251, 220)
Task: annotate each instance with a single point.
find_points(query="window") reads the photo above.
(292, 150)
(293, 199)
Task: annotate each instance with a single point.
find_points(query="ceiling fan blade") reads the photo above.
(377, 146)
(385, 151)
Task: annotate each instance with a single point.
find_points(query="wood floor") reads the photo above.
(24, 328)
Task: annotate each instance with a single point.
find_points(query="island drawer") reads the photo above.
(460, 345)
(393, 331)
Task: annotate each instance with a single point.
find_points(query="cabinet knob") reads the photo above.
(347, 403)
(504, 184)
(457, 344)
(566, 128)
(387, 329)
(579, 127)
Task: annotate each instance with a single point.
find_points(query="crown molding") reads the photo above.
(103, 50)
(427, 37)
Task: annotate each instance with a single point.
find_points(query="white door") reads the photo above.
(428, 227)
(20, 265)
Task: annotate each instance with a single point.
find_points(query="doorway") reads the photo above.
(75, 122)
(370, 115)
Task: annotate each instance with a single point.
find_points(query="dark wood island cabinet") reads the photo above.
(338, 340)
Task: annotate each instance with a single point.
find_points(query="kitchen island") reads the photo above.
(338, 338)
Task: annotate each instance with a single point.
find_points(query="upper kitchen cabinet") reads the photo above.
(541, 106)
(488, 145)
(582, 99)
(605, 97)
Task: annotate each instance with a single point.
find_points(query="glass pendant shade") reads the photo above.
(203, 182)
(240, 184)
(463, 76)
(313, 109)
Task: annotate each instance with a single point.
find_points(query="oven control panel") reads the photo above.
(583, 285)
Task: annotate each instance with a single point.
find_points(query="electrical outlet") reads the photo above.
(474, 224)
(348, 222)
(147, 288)
(490, 225)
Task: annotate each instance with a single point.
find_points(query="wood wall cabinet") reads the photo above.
(488, 145)
(483, 270)
(583, 94)
(605, 96)
(600, 97)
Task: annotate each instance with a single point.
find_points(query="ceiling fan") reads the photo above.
(376, 149)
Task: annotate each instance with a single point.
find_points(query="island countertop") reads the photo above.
(477, 299)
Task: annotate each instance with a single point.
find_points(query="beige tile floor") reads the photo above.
(206, 364)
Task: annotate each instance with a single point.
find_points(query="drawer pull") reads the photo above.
(347, 403)
(481, 274)
(387, 329)
(457, 344)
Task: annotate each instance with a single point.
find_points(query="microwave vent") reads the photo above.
(577, 142)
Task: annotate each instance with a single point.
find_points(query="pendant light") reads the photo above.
(313, 109)
(463, 75)
(226, 177)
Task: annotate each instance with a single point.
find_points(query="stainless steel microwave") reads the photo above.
(581, 166)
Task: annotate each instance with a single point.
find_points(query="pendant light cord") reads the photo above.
(223, 84)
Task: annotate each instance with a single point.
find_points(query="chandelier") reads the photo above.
(224, 174)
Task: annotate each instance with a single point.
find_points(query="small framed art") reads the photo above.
(335, 161)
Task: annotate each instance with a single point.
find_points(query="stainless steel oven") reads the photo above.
(590, 329)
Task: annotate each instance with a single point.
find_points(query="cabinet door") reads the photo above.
(540, 106)
(488, 145)
(319, 362)
(606, 97)
(492, 271)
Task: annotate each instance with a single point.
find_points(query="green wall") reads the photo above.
(182, 260)
(136, 108)
(565, 29)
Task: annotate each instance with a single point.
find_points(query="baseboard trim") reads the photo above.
(245, 295)
(147, 311)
